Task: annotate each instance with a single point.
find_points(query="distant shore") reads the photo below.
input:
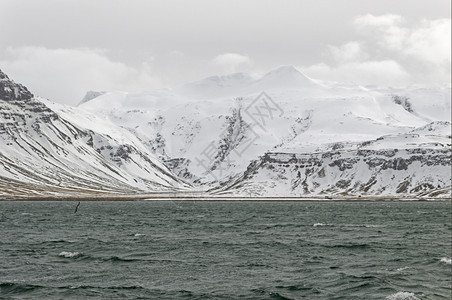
(179, 197)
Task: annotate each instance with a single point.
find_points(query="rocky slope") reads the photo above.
(391, 172)
(279, 134)
(49, 150)
(220, 133)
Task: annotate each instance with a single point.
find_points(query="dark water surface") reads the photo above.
(225, 250)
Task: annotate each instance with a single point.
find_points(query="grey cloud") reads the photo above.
(166, 43)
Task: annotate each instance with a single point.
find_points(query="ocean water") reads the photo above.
(225, 250)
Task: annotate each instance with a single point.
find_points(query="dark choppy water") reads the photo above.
(230, 250)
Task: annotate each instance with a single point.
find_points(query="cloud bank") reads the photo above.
(384, 50)
(65, 75)
(389, 52)
(232, 62)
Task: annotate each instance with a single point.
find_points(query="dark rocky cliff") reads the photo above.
(9, 90)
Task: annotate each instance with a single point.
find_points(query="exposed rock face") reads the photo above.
(90, 95)
(9, 90)
(404, 102)
(43, 154)
(348, 173)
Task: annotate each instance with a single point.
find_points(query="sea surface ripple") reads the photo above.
(225, 250)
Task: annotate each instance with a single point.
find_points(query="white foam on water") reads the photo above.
(401, 269)
(68, 254)
(446, 260)
(138, 234)
(322, 224)
(373, 226)
(364, 225)
(402, 296)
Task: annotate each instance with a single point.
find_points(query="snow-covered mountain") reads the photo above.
(51, 150)
(243, 134)
(276, 134)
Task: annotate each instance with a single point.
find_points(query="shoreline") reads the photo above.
(210, 198)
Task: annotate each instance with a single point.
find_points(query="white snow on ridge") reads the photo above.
(304, 116)
(52, 149)
(277, 134)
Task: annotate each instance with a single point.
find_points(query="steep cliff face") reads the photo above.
(412, 164)
(49, 150)
(391, 172)
(10, 91)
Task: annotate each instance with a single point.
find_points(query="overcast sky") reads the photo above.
(62, 48)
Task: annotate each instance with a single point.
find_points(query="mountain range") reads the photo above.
(280, 134)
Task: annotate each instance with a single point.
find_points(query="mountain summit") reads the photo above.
(90, 95)
(285, 77)
(9, 90)
(236, 84)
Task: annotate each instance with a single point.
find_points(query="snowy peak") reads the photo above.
(435, 128)
(9, 90)
(227, 80)
(3, 76)
(90, 95)
(214, 86)
(285, 77)
(284, 71)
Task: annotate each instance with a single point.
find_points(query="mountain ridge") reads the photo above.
(280, 134)
(9, 90)
(42, 154)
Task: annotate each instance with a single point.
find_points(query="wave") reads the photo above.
(275, 295)
(13, 290)
(10, 288)
(120, 259)
(78, 255)
(60, 241)
(130, 287)
(349, 225)
(446, 260)
(67, 254)
(298, 288)
(348, 246)
(402, 296)
(321, 224)
(368, 226)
